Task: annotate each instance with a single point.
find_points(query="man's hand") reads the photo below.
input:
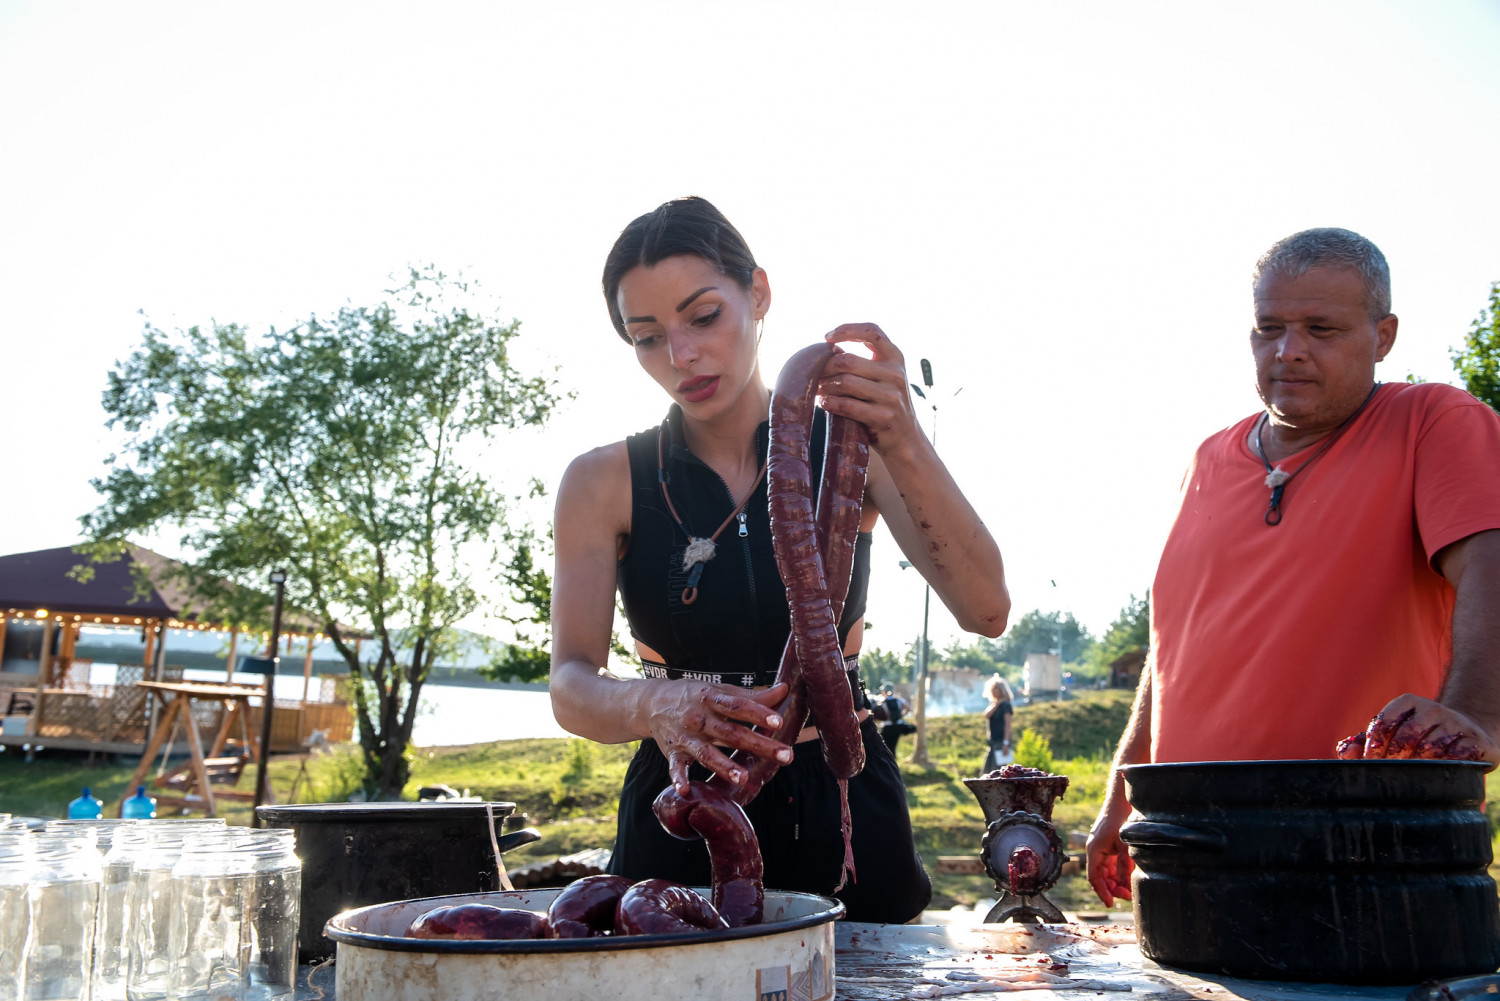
(1108, 859)
(1413, 727)
(1109, 864)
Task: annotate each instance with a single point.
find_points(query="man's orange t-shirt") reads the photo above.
(1272, 642)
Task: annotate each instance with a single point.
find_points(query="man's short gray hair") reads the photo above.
(1330, 247)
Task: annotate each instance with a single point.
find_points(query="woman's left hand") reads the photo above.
(872, 391)
(936, 527)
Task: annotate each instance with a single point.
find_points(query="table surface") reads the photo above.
(897, 962)
(203, 689)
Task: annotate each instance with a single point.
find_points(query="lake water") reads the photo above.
(454, 714)
(448, 714)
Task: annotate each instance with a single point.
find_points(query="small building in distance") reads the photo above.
(1041, 677)
(1125, 670)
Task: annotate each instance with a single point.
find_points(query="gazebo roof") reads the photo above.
(40, 580)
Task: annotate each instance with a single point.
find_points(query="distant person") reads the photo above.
(998, 712)
(895, 726)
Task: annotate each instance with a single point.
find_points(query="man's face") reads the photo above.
(1316, 346)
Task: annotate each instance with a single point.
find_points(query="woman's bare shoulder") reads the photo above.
(598, 468)
(596, 483)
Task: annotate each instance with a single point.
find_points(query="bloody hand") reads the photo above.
(1413, 727)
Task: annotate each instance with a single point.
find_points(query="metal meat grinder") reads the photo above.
(1021, 849)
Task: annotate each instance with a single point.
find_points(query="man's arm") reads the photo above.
(1472, 565)
(1467, 713)
(1108, 860)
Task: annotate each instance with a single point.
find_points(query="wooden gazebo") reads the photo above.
(59, 707)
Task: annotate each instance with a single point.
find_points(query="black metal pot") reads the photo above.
(354, 854)
(1339, 871)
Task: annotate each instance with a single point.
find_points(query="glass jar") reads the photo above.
(14, 838)
(234, 934)
(103, 829)
(111, 944)
(112, 938)
(148, 912)
(64, 898)
(274, 911)
(16, 862)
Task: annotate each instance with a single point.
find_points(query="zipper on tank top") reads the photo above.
(744, 533)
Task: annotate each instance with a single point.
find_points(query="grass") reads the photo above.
(569, 789)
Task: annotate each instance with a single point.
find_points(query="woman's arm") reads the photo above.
(931, 520)
(689, 720)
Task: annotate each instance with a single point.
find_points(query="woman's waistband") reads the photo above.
(654, 669)
(739, 679)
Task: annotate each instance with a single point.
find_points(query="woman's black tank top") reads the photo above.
(735, 631)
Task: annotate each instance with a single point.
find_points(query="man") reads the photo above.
(894, 727)
(1334, 557)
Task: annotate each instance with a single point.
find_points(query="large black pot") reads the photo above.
(355, 854)
(1338, 871)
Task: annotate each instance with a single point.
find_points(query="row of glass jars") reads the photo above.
(174, 909)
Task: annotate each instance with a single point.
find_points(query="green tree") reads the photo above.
(981, 654)
(1478, 361)
(529, 658)
(341, 450)
(1040, 632)
(877, 666)
(1130, 630)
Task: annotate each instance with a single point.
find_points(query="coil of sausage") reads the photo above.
(659, 907)
(815, 556)
(479, 921)
(586, 907)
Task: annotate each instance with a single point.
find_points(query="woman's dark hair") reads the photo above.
(688, 225)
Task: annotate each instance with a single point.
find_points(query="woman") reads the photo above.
(999, 711)
(684, 291)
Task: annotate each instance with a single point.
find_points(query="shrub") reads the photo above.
(1034, 751)
(580, 764)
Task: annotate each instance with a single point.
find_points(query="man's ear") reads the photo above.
(1385, 336)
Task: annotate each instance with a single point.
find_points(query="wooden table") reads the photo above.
(876, 962)
(178, 697)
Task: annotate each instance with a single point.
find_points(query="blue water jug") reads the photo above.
(140, 806)
(86, 807)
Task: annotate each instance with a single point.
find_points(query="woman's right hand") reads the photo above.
(698, 721)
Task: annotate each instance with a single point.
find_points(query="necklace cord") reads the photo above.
(1278, 479)
(690, 592)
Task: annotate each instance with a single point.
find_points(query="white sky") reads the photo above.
(1058, 204)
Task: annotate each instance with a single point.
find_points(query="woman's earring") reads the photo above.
(760, 329)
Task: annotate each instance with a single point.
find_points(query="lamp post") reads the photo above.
(919, 701)
(278, 577)
(1060, 685)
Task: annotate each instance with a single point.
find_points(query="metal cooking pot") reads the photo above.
(355, 854)
(789, 955)
(1339, 871)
